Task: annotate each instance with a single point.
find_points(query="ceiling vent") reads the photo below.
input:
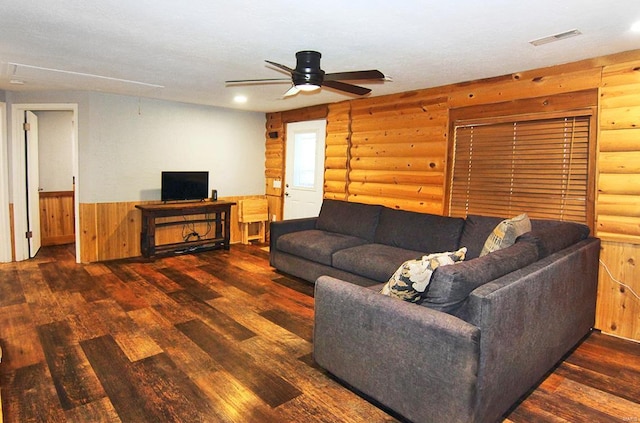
(555, 37)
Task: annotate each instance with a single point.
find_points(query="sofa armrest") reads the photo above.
(281, 227)
(530, 319)
(419, 362)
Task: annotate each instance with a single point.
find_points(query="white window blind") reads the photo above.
(505, 168)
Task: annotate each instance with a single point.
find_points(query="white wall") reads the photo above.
(132, 140)
(55, 151)
(125, 142)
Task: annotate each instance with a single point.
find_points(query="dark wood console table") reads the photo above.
(216, 212)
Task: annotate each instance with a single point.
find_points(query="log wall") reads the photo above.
(393, 150)
(618, 201)
(338, 140)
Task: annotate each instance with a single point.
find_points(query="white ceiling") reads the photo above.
(185, 50)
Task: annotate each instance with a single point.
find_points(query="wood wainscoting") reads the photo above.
(57, 218)
(111, 231)
(618, 309)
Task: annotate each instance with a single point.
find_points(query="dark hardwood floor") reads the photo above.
(219, 336)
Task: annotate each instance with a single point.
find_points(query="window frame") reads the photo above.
(582, 103)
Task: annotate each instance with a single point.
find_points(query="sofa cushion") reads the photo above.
(343, 217)
(451, 285)
(412, 278)
(555, 237)
(424, 232)
(374, 261)
(504, 235)
(476, 230)
(316, 245)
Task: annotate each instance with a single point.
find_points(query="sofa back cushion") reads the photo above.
(343, 217)
(552, 236)
(451, 285)
(424, 232)
(476, 231)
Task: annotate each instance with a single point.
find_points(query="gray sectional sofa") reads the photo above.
(487, 329)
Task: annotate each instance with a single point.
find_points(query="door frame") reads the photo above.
(320, 170)
(18, 170)
(5, 225)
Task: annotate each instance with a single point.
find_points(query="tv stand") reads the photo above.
(218, 213)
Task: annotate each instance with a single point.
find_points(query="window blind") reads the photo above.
(540, 167)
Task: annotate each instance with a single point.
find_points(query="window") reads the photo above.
(304, 164)
(534, 164)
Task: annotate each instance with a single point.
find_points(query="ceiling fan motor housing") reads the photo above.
(307, 71)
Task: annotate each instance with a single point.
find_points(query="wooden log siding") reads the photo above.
(618, 200)
(397, 153)
(274, 163)
(619, 155)
(336, 156)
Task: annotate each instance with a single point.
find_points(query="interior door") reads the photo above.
(304, 176)
(33, 182)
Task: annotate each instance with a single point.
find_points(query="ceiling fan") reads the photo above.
(307, 76)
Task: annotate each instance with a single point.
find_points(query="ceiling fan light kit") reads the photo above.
(308, 76)
(307, 86)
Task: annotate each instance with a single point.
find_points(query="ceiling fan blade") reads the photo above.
(292, 91)
(350, 88)
(278, 65)
(367, 74)
(239, 81)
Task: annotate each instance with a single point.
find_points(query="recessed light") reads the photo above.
(16, 82)
(240, 99)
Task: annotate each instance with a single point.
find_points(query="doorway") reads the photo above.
(19, 171)
(32, 155)
(304, 176)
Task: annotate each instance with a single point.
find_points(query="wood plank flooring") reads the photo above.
(219, 336)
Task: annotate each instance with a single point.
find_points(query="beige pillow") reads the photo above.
(505, 234)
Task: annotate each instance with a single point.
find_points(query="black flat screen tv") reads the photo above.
(189, 185)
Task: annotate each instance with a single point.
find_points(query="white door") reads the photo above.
(304, 176)
(33, 183)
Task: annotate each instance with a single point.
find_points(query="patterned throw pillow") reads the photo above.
(410, 281)
(504, 235)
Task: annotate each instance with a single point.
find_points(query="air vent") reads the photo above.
(555, 37)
